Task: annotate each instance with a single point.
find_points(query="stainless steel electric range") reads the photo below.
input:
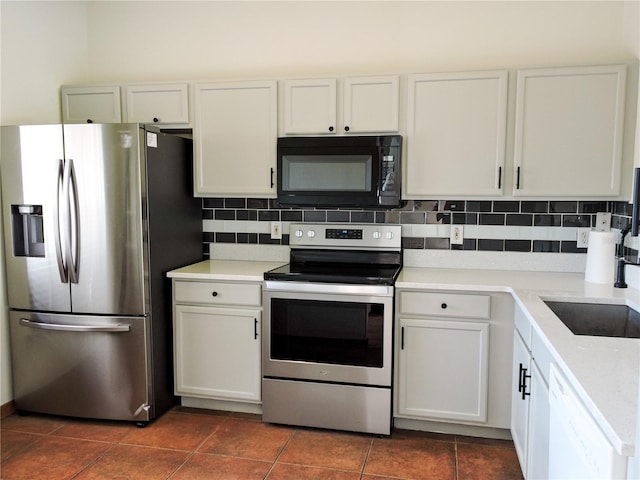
(328, 323)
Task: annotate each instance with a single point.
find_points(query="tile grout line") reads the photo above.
(95, 460)
(275, 460)
(197, 447)
(366, 458)
(455, 457)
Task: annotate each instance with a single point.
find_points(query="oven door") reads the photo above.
(328, 333)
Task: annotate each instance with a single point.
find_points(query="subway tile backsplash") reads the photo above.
(498, 226)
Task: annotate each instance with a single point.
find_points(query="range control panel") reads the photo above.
(327, 235)
(343, 233)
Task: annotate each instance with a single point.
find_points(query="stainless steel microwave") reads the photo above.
(347, 172)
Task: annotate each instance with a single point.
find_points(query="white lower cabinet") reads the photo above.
(444, 369)
(530, 400)
(538, 445)
(520, 400)
(453, 352)
(216, 345)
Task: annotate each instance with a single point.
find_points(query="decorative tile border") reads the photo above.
(489, 225)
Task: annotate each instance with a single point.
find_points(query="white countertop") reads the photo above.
(604, 371)
(229, 270)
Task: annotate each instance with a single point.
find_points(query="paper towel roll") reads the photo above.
(601, 257)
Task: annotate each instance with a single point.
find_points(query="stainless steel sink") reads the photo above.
(598, 319)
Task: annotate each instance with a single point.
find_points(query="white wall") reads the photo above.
(46, 44)
(43, 44)
(177, 40)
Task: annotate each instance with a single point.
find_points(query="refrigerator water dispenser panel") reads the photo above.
(27, 230)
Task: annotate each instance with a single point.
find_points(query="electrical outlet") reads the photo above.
(603, 222)
(457, 235)
(582, 237)
(276, 230)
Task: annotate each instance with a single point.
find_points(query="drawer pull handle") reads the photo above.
(214, 294)
(443, 306)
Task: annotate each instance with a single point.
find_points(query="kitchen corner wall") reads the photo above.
(496, 226)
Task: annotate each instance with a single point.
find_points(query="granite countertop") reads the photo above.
(604, 371)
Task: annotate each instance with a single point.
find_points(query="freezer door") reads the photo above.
(81, 366)
(108, 212)
(32, 163)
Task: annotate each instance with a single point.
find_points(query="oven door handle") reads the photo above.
(310, 287)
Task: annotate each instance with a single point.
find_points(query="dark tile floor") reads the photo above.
(201, 444)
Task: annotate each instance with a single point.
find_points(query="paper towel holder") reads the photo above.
(622, 262)
(635, 213)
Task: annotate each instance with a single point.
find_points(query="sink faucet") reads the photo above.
(622, 262)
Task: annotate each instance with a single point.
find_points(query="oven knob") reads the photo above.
(377, 235)
(299, 233)
(390, 235)
(311, 234)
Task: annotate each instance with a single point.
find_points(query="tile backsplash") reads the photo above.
(488, 225)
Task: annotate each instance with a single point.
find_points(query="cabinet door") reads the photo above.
(236, 133)
(443, 371)
(217, 352)
(166, 103)
(520, 401)
(456, 129)
(310, 106)
(538, 442)
(371, 104)
(568, 131)
(100, 104)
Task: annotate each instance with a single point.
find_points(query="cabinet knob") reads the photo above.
(444, 305)
(89, 120)
(346, 128)
(156, 119)
(331, 129)
(214, 294)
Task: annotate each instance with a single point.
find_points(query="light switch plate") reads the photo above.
(457, 235)
(276, 230)
(603, 222)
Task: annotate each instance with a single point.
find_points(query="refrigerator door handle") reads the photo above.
(73, 257)
(74, 328)
(59, 224)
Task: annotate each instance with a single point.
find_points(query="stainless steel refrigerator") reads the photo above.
(94, 216)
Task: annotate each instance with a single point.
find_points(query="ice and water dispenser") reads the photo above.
(27, 230)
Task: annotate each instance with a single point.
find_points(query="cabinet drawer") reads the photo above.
(445, 304)
(216, 293)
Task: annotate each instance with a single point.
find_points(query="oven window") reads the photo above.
(342, 333)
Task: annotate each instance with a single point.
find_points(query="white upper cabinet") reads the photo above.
(310, 106)
(158, 103)
(95, 104)
(371, 104)
(366, 105)
(235, 138)
(456, 130)
(568, 131)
